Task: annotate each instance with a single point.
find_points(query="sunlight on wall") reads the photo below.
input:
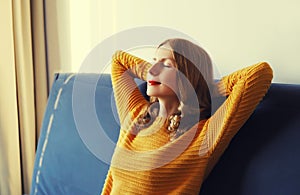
(235, 33)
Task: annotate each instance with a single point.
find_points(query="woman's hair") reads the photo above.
(195, 76)
(194, 66)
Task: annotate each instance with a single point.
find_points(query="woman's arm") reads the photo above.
(129, 100)
(245, 89)
(107, 184)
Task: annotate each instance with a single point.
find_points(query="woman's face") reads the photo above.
(161, 77)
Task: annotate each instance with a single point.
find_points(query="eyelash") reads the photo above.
(167, 65)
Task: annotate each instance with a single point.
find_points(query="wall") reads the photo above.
(236, 33)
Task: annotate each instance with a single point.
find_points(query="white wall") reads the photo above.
(236, 33)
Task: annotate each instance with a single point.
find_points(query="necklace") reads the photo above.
(174, 122)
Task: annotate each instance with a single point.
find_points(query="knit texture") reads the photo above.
(146, 162)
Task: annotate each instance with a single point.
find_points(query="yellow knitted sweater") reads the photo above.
(147, 162)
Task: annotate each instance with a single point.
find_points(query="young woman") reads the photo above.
(168, 145)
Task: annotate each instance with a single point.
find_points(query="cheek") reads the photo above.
(171, 83)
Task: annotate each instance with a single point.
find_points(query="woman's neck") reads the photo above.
(167, 107)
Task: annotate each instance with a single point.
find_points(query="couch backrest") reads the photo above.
(80, 129)
(264, 157)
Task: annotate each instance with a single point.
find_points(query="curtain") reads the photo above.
(24, 91)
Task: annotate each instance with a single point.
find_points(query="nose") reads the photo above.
(155, 69)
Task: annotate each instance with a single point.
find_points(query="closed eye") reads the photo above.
(165, 62)
(167, 65)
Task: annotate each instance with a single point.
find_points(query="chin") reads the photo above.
(151, 93)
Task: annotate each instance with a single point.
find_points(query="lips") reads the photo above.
(152, 83)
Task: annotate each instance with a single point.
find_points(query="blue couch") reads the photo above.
(73, 148)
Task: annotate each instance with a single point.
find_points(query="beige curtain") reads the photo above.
(23, 88)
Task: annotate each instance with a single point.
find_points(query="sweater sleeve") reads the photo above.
(244, 90)
(107, 187)
(129, 100)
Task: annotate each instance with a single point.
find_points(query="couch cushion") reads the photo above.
(64, 164)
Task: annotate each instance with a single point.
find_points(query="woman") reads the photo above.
(168, 145)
